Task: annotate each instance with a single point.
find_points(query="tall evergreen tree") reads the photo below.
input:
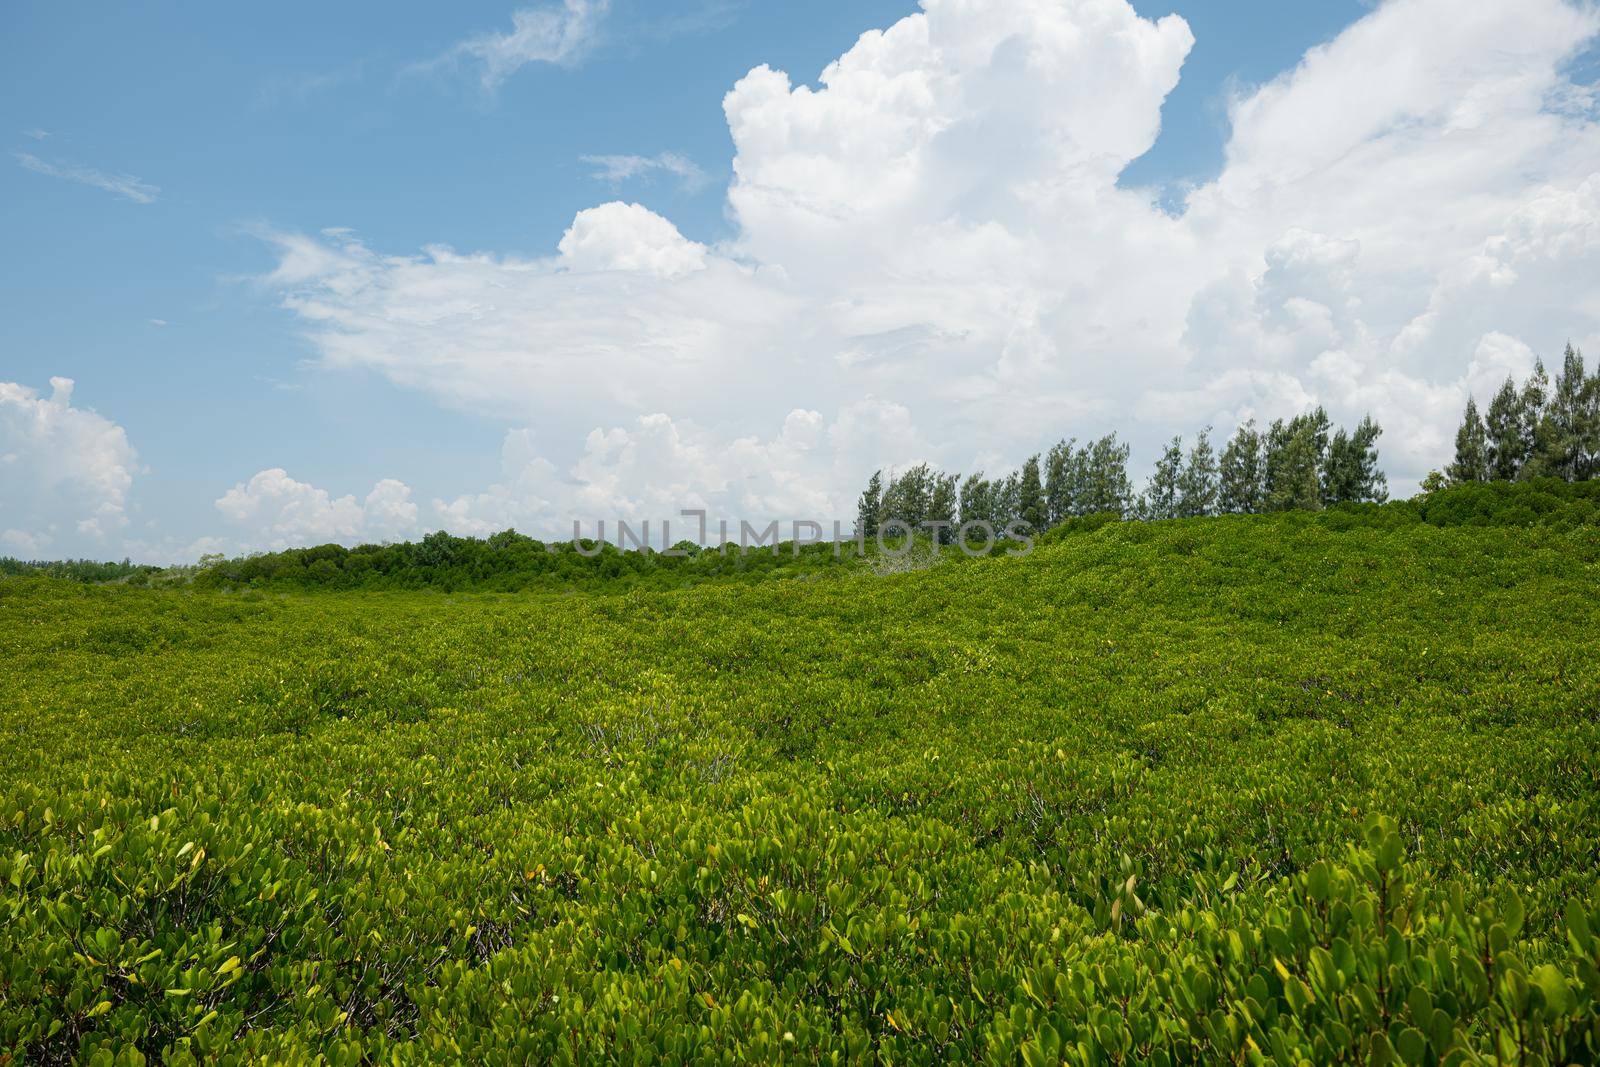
(1503, 430)
(1472, 447)
(907, 497)
(1274, 451)
(977, 499)
(942, 506)
(1031, 507)
(1350, 471)
(1160, 499)
(1105, 483)
(1294, 462)
(1317, 424)
(1240, 490)
(869, 507)
(1537, 443)
(1589, 426)
(890, 507)
(1008, 500)
(1564, 420)
(1062, 475)
(1197, 488)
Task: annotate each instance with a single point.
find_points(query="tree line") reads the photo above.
(1302, 463)
(512, 562)
(1538, 431)
(80, 570)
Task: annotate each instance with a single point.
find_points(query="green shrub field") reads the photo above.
(1256, 789)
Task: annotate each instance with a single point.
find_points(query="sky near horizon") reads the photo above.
(287, 275)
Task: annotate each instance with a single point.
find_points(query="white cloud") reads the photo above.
(23, 545)
(652, 469)
(65, 471)
(657, 467)
(388, 511)
(517, 332)
(618, 169)
(123, 185)
(561, 34)
(275, 511)
(937, 224)
(618, 236)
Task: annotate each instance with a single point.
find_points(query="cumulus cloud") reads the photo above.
(658, 466)
(936, 224)
(649, 470)
(275, 511)
(65, 472)
(618, 236)
(562, 34)
(123, 185)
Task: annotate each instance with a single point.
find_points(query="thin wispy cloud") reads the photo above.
(36, 135)
(123, 185)
(663, 23)
(561, 34)
(296, 88)
(616, 169)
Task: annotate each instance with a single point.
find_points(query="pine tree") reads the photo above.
(942, 507)
(1537, 443)
(1350, 471)
(1106, 488)
(1197, 488)
(1007, 501)
(1564, 420)
(869, 506)
(977, 500)
(1062, 477)
(1240, 490)
(1031, 507)
(1472, 448)
(892, 507)
(1589, 426)
(1320, 425)
(1160, 499)
(1317, 423)
(1294, 462)
(1274, 472)
(1503, 429)
(1371, 483)
(907, 497)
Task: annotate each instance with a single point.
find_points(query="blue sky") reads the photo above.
(158, 154)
